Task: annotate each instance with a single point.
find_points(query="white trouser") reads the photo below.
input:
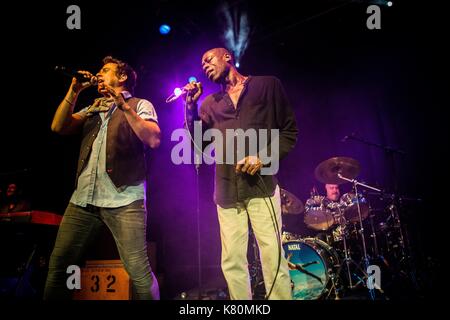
(234, 235)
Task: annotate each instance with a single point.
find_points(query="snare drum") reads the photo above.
(318, 214)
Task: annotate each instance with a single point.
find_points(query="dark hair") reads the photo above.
(124, 68)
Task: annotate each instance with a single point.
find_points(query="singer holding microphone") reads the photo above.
(241, 193)
(117, 131)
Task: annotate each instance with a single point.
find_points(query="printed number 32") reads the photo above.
(96, 287)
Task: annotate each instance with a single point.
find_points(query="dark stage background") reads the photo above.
(386, 86)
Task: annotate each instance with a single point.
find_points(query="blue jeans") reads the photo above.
(79, 227)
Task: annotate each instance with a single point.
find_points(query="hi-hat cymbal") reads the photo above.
(327, 171)
(290, 204)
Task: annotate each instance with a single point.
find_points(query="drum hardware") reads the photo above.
(317, 269)
(392, 226)
(361, 230)
(347, 255)
(375, 251)
(339, 170)
(394, 215)
(391, 152)
(399, 247)
(335, 287)
(349, 229)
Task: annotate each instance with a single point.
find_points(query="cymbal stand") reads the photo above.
(348, 260)
(405, 248)
(373, 235)
(342, 233)
(361, 230)
(394, 215)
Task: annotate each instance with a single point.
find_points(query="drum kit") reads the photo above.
(335, 261)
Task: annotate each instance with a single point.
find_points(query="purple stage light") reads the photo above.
(177, 92)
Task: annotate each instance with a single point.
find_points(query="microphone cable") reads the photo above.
(277, 233)
(189, 132)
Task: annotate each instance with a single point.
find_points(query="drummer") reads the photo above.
(333, 192)
(332, 197)
(331, 203)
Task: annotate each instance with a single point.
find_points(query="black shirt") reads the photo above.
(263, 104)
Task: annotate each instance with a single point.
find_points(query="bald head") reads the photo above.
(217, 63)
(220, 52)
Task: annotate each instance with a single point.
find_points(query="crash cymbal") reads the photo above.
(327, 171)
(290, 204)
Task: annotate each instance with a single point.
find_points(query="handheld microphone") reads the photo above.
(178, 92)
(74, 73)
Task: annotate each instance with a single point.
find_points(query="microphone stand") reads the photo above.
(389, 152)
(388, 149)
(199, 252)
(197, 187)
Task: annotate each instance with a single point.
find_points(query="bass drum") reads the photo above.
(312, 266)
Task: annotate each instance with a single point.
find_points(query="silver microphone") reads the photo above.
(175, 95)
(178, 92)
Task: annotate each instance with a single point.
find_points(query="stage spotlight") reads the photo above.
(192, 79)
(389, 3)
(237, 31)
(164, 29)
(177, 92)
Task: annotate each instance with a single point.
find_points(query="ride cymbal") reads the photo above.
(327, 171)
